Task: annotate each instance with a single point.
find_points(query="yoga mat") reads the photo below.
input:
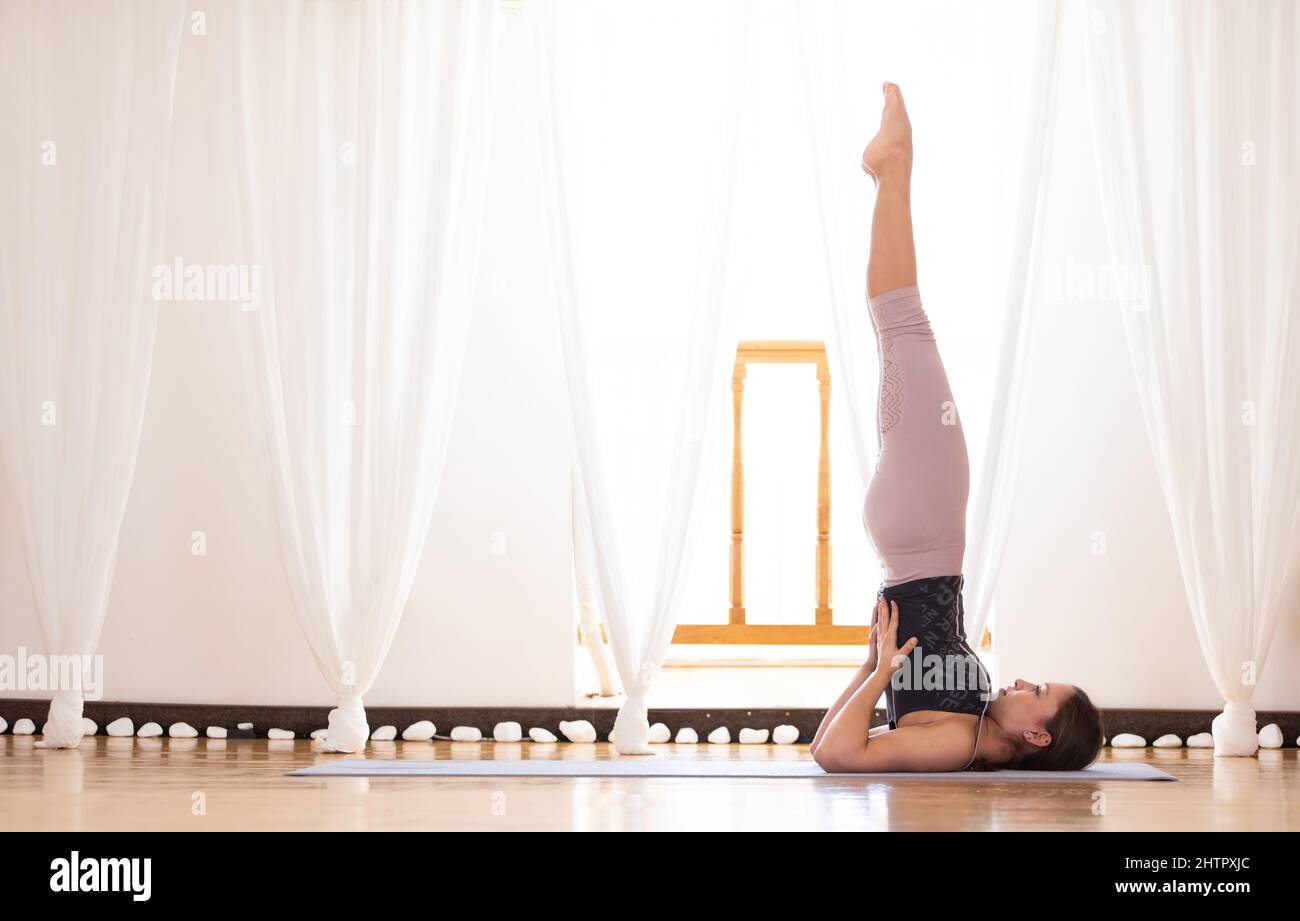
(668, 766)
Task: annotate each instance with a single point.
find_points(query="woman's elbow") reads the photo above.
(826, 759)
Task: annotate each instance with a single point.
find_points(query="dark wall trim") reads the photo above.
(1150, 724)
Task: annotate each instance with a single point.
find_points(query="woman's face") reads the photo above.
(1025, 707)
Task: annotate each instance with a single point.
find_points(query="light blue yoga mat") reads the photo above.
(670, 766)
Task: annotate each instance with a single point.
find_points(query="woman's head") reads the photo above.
(1054, 727)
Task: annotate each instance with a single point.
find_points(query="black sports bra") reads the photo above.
(942, 672)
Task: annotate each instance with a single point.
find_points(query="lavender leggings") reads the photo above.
(915, 511)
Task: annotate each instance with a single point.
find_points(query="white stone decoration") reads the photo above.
(1271, 736)
(508, 731)
(1128, 740)
(785, 735)
(578, 731)
(421, 731)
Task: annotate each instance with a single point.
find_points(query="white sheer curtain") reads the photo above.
(1196, 111)
(366, 135)
(86, 109)
(938, 52)
(584, 581)
(636, 147)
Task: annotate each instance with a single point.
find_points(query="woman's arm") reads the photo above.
(848, 732)
(846, 745)
(942, 746)
(863, 673)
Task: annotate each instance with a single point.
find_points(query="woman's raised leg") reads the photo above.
(888, 160)
(915, 512)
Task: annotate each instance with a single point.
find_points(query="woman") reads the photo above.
(943, 714)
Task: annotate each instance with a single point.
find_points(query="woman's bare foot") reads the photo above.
(890, 151)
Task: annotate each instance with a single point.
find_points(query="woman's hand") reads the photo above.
(891, 654)
(873, 638)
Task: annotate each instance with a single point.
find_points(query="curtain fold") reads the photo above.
(842, 111)
(645, 343)
(584, 581)
(1195, 117)
(86, 110)
(999, 468)
(365, 145)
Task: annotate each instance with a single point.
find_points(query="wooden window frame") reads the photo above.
(823, 631)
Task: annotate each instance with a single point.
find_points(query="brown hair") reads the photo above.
(1077, 734)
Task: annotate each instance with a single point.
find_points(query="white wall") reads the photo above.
(497, 630)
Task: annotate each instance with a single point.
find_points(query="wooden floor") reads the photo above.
(144, 784)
